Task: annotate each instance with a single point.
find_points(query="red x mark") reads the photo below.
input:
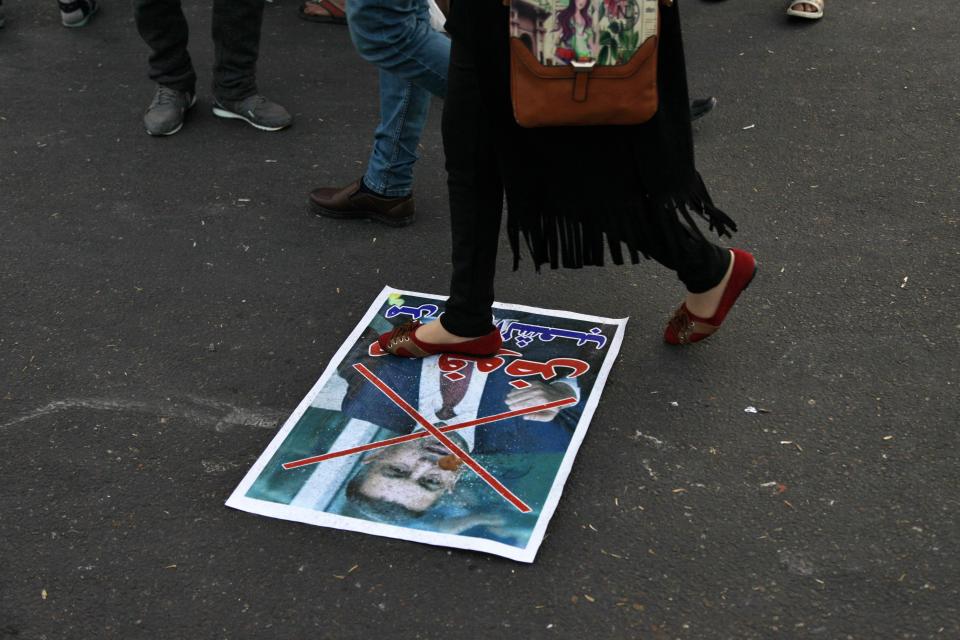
(438, 433)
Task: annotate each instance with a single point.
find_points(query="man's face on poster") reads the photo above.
(408, 474)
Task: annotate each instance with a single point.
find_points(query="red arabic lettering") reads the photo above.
(449, 362)
(546, 370)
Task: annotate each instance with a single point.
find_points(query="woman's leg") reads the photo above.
(700, 264)
(476, 202)
(702, 267)
(714, 278)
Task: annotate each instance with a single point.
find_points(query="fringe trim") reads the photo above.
(561, 234)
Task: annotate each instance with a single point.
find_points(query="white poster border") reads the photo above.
(239, 500)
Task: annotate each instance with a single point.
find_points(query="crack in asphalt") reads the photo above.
(216, 414)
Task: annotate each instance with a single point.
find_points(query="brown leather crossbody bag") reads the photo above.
(583, 62)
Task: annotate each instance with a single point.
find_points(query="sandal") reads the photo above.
(793, 11)
(322, 11)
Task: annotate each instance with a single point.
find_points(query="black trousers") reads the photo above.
(236, 38)
(476, 190)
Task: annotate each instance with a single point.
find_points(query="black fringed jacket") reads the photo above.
(587, 184)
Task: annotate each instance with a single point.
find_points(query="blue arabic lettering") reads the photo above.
(417, 313)
(523, 334)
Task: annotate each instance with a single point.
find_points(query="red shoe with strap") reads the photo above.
(686, 328)
(403, 342)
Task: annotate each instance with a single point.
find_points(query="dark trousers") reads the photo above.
(476, 208)
(236, 38)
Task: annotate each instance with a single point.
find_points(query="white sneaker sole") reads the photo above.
(79, 23)
(223, 113)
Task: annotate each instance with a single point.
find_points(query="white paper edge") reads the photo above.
(238, 499)
(566, 465)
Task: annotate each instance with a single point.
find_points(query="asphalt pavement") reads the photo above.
(166, 303)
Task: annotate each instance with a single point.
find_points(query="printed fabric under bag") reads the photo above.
(583, 62)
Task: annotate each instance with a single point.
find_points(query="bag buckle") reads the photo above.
(581, 77)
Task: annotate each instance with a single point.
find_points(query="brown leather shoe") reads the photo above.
(350, 202)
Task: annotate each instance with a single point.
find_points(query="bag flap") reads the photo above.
(602, 33)
(521, 53)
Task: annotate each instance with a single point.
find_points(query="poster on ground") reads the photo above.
(455, 451)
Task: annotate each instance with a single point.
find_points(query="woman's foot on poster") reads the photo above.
(416, 340)
(701, 314)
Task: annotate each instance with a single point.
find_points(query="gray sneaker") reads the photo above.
(256, 111)
(164, 116)
(76, 13)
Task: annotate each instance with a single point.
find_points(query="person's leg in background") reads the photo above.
(236, 39)
(396, 36)
(164, 29)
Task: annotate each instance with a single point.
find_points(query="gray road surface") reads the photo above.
(166, 303)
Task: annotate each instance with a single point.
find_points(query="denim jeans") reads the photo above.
(236, 38)
(395, 35)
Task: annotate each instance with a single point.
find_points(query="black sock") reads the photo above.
(365, 189)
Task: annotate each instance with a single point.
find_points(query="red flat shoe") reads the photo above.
(402, 342)
(685, 327)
